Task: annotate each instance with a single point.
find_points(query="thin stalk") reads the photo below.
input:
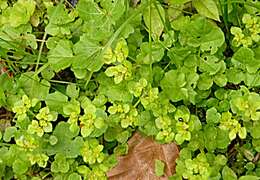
(150, 30)
(236, 13)
(137, 102)
(225, 15)
(88, 79)
(41, 69)
(5, 144)
(44, 38)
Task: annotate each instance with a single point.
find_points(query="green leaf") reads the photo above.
(173, 85)
(249, 177)
(55, 101)
(53, 140)
(72, 91)
(60, 164)
(19, 14)
(205, 82)
(179, 1)
(33, 86)
(59, 26)
(222, 139)
(245, 56)
(179, 55)
(156, 55)
(212, 115)
(220, 80)
(68, 144)
(61, 56)
(210, 135)
(71, 107)
(207, 8)
(211, 65)
(87, 53)
(228, 174)
(9, 133)
(235, 75)
(202, 33)
(80, 73)
(159, 167)
(153, 18)
(255, 130)
(74, 176)
(55, 12)
(20, 166)
(114, 92)
(100, 17)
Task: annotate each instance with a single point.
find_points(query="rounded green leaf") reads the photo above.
(9, 133)
(205, 82)
(228, 174)
(74, 176)
(207, 8)
(212, 115)
(20, 167)
(159, 167)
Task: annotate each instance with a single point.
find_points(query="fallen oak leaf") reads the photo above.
(139, 163)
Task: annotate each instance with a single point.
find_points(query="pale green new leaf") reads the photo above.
(159, 167)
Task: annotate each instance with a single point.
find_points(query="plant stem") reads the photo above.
(40, 51)
(225, 15)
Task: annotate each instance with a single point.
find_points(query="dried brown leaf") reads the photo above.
(139, 163)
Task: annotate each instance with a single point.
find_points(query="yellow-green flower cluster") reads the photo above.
(136, 88)
(92, 152)
(127, 114)
(227, 122)
(39, 158)
(121, 69)
(250, 34)
(198, 168)
(21, 107)
(43, 122)
(164, 124)
(27, 142)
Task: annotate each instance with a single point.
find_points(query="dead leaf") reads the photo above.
(139, 163)
(5, 119)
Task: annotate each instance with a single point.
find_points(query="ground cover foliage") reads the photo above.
(79, 78)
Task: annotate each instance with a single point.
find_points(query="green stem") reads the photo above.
(45, 36)
(150, 30)
(40, 51)
(5, 144)
(88, 79)
(41, 69)
(137, 102)
(225, 15)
